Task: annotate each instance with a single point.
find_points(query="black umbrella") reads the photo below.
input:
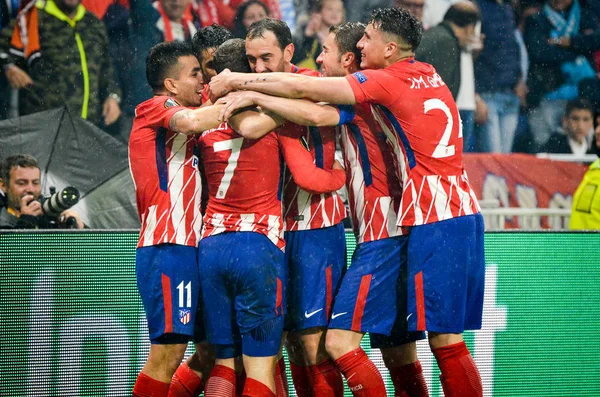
(74, 152)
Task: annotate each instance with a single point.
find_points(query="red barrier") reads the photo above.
(521, 180)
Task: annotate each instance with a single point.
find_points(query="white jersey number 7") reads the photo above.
(235, 145)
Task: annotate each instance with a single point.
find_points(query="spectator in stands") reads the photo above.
(498, 77)
(246, 14)
(308, 44)
(560, 40)
(21, 180)
(62, 60)
(361, 10)
(434, 11)
(585, 214)
(151, 23)
(414, 6)
(441, 45)
(205, 42)
(457, 70)
(576, 136)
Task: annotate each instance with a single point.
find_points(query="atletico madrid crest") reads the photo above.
(184, 316)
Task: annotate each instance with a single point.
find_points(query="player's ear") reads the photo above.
(288, 52)
(348, 59)
(171, 85)
(391, 48)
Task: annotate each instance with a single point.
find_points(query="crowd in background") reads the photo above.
(515, 67)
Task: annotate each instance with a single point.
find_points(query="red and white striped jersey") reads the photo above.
(164, 168)
(414, 107)
(243, 179)
(374, 188)
(304, 210)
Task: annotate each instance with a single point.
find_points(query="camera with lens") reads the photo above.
(54, 204)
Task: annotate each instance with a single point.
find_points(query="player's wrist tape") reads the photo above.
(346, 114)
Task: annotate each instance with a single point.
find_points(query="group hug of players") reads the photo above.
(263, 264)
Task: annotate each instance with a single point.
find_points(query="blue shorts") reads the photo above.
(243, 289)
(400, 334)
(168, 282)
(367, 299)
(446, 275)
(316, 262)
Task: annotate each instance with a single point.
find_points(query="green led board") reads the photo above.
(71, 322)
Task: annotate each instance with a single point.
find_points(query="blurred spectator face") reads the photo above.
(578, 124)
(254, 12)
(332, 12)
(187, 87)
(330, 58)
(415, 7)
(372, 48)
(560, 5)
(175, 8)
(67, 6)
(265, 55)
(207, 64)
(465, 35)
(24, 181)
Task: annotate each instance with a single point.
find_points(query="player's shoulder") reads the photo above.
(156, 105)
(305, 71)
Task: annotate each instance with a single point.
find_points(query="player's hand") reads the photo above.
(66, 214)
(219, 85)
(337, 166)
(17, 77)
(313, 25)
(521, 91)
(30, 206)
(110, 111)
(563, 42)
(234, 101)
(481, 111)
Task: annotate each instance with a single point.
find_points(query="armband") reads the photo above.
(346, 114)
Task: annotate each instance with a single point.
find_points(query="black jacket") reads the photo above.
(559, 143)
(9, 221)
(440, 48)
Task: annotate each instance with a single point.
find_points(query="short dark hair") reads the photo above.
(18, 160)
(162, 59)
(232, 55)
(239, 30)
(461, 15)
(579, 104)
(278, 27)
(347, 35)
(399, 22)
(210, 37)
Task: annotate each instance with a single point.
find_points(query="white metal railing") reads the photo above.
(572, 158)
(528, 218)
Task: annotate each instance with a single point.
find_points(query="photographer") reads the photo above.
(20, 180)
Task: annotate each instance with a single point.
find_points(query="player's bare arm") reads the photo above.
(254, 124)
(299, 111)
(193, 121)
(289, 85)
